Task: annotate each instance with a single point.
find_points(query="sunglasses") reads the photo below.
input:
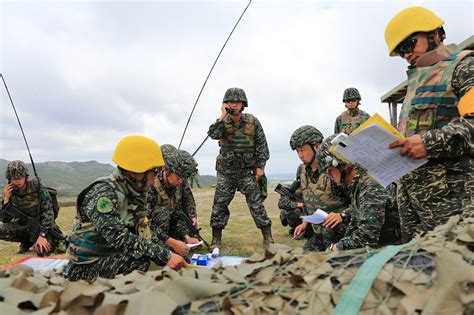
(407, 46)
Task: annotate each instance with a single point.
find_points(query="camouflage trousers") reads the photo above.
(227, 185)
(14, 232)
(429, 195)
(107, 267)
(291, 217)
(324, 237)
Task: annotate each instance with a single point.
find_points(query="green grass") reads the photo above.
(240, 238)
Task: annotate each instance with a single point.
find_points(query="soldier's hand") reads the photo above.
(332, 220)
(412, 146)
(300, 205)
(194, 221)
(176, 262)
(300, 229)
(223, 110)
(42, 244)
(259, 173)
(7, 193)
(180, 248)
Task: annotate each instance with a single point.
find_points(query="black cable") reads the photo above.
(209, 74)
(21, 128)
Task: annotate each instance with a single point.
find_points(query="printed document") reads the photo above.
(317, 217)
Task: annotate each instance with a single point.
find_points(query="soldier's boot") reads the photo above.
(267, 236)
(216, 238)
(24, 247)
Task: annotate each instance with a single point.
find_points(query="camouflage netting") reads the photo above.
(433, 275)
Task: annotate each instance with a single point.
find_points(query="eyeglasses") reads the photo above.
(407, 46)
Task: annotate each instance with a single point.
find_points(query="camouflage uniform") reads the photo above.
(289, 212)
(429, 195)
(349, 120)
(243, 148)
(34, 202)
(165, 204)
(111, 235)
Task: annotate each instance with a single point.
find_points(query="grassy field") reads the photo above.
(240, 238)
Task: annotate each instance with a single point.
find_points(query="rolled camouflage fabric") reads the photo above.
(235, 94)
(16, 169)
(327, 159)
(351, 94)
(305, 134)
(179, 161)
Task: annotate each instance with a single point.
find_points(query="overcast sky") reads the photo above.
(84, 74)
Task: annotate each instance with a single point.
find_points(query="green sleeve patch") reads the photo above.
(104, 205)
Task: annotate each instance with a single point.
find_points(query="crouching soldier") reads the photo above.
(34, 201)
(170, 218)
(111, 235)
(318, 191)
(374, 219)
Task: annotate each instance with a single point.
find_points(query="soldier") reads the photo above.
(353, 117)
(170, 200)
(111, 235)
(240, 164)
(438, 76)
(34, 200)
(318, 191)
(374, 220)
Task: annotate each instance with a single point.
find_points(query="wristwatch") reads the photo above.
(42, 234)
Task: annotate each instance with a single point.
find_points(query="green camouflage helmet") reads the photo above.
(235, 94)
(327, 159)
(351, 94)
(305, 134)
(179, 161)
(16, 169)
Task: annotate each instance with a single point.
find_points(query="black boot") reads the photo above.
(216, 238)
(24, 247)
(267, 236)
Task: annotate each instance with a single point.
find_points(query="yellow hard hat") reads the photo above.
(407, 22)
(138, 154)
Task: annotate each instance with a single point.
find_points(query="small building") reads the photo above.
(396, 95)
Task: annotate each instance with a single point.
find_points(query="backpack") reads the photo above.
(53, 193)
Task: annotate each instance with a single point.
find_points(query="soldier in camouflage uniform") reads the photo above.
(318, 190)
(111, 235)
(374, 219)
(353, 117)
(438, 76)
(240, 164)
(34, 200)
(170, 199)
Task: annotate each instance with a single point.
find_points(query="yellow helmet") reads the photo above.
(138, 154)
(407, 22)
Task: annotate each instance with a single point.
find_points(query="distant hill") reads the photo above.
(69, 178)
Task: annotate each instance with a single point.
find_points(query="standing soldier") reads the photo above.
(318, 190)
(29, 196)
(240, 164)
(353, 117)
(438, 76)
(112, 235)
(374, 219)
(171, 208)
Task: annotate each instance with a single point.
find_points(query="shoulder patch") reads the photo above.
(104, 205)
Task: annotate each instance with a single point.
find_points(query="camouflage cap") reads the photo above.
(179, 161)
(305, 134)
(16, 169)
(351, 94)
(327, 159)
(235, 94)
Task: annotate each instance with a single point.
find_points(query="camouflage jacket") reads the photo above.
(348, 121)
(110, 214)
(374, 217)
(234, 161)
(165, 206)
(35, 202)
(286, 202)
